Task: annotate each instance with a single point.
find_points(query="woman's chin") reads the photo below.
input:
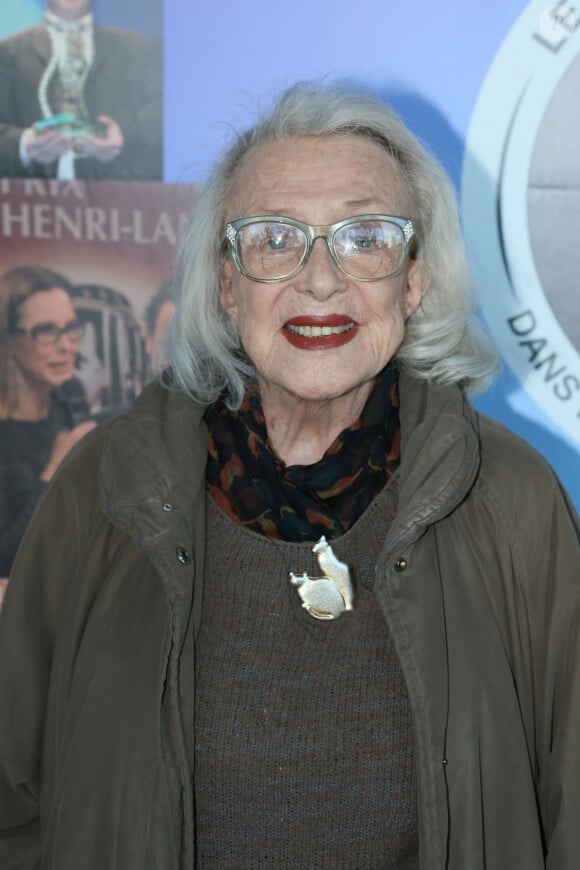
(59, 376)
(321, 390)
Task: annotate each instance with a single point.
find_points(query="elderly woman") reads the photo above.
(382, 669)
(39, 343)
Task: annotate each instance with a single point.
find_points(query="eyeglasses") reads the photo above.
(45, 334)
(367, 247)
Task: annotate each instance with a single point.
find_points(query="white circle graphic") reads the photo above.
(520, 198)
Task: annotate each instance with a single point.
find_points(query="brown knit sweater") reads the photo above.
(304, 741)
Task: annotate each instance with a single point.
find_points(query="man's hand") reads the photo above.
(45, 147)
(102, 148)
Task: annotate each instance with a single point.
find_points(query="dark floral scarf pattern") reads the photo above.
(302, 502)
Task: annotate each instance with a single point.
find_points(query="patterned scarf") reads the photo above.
(302, 502)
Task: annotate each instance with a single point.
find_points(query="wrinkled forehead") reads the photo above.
(341, 166)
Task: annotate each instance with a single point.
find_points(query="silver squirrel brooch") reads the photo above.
(330, 595)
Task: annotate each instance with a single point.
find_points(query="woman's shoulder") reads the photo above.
(161, 425)
(517, 477)
(504, 451)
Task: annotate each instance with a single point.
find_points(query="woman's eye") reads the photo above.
(44, 329)
(277, 243)
(366, 241)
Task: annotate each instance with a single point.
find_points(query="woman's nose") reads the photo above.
(64, 343)
(320, 276)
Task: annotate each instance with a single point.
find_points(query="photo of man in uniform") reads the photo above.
(80, 100)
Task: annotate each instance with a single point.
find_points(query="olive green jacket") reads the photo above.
(478, 580)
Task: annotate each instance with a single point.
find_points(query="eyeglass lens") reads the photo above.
(366, 249)
(49, 333)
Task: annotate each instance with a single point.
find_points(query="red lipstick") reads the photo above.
(312, 332)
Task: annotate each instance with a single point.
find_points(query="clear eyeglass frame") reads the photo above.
(47, 334)
(312, 233)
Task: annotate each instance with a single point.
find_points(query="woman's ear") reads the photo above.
(417, 284)
(226, 287)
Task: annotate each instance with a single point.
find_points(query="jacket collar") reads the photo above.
(440, 455)
(154, 458)
(84, 23)
(39, 41)
(156, 453)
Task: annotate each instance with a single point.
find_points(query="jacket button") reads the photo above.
(400, 565)
(167, 507)
(183, 556)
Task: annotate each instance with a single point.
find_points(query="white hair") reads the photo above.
(443, 342)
